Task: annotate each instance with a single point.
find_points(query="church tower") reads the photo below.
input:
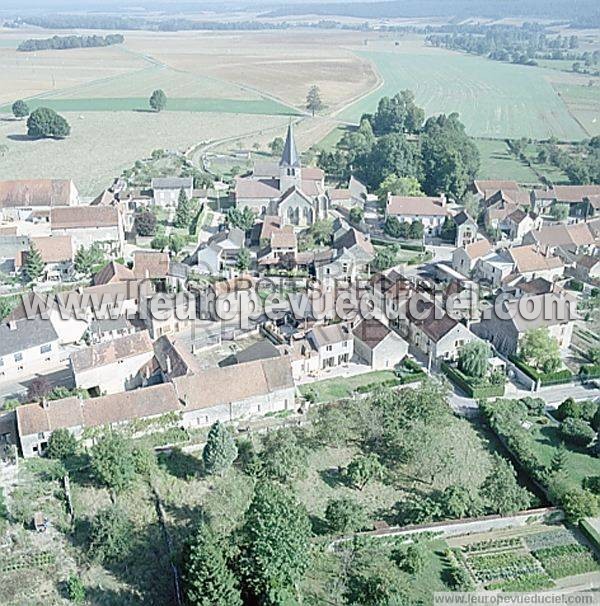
(289, 165)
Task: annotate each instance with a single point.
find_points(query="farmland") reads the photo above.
(493, 99)
(498, 163)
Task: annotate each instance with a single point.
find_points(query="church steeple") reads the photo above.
(290, 156)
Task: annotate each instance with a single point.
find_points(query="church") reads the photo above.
(285, 189)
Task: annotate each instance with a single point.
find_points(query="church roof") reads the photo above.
(290, 156)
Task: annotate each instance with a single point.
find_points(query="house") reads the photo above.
(466, 229)
(530, 262)
(334, 344)
(430, 211)
(235, 393)
(150, 265)
(500, 204)
(518, 223)
(434, 333)
(378, 345)
(112, 273)
(57, 255)
(27, 346)
(166, 190)
(494, 268)
(354, 195)
(112, 366)
(577, 197)
(483, 188)
(351, 253)
(506, 327)
(569, 240)
(466, 257)
(168, 313)
(36, 422)
(11, 249)
(88, 225)
(22, 198)
(288, 190)
(587, 268)
(107, 329)
(220, 252)
(282, 248)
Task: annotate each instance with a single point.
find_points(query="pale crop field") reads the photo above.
(493, 99)
(102, 144)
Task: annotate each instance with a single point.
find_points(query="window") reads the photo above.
(46, 348)
(18, 356)
(1, 361)
(329, 348)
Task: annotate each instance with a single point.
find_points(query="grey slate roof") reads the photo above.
(26, 334)
(172, 182)
(290, 156)
(262, 350)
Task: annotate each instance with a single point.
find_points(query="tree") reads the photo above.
(577, 431)
(559, 459)
(501, 491)
(320, 231)
(363, 469)
(177, 243)
(395, 228)
(34, 265)
(540, 349)
(220, 450)
(20, 109)
(86, 259)
(411, 559)
(241, 218)
(111, 535)
(356, 215)
(276, 146)
(207, 581)
(578, 504)
(385, 258)
(62, 444)
(314, 103)
(145, 223)
(398, 186)
(159, 242)
(283, 458)
(243, 260)
(75, 589)
(158, 100)
(416, 231)
(473, 358)
(44, 122)
(274, 551)
(184, 213)
(399, 114)
(38, 389)
(112, 462)
(559, 212)
(344, 515)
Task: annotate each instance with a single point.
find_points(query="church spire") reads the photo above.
(290, 156)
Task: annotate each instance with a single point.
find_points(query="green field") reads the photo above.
(108, 104)
(584, 103)
(493, 99)
(498, 163)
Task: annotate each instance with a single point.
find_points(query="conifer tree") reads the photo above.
(206, 579)
(34, 266)
(220, 450)
(183, 216)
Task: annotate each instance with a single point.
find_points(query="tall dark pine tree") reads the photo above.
(183, 216)
(34, 265)
(220, 450)
(207, 581)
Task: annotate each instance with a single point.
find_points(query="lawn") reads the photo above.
(329, 390)
(493, 99)
(551, 172)
(498, 163)
(579, 464)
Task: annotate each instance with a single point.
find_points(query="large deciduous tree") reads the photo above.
(44, 122)
(473, 358)
(540, 349)
(20, 109)
(314, 103)
(158, 100)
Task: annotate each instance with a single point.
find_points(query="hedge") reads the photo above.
(590, 371)
(591, 533)
(487, 390)
(545, 378)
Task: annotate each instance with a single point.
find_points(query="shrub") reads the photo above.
(577, 431)
(62, 444)
(344, 515)
(75, 589)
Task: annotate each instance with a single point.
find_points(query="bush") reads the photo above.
(344, 515)
(62, 444)
(145, 223)
(575, 285)
(75, 589)
(546, 378)
(472, 387)
(577, 431)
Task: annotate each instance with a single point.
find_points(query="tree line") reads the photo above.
(66, 42)
(397, 145)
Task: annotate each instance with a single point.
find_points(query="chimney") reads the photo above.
(169, 366)
(12, 325)
(45, 404)
(443, 200)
